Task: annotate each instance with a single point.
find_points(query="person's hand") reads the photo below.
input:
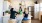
(17, 15)
(23, 15)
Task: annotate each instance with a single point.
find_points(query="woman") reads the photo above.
(27, 17)
(20, 11)
(20, 16)
(25, 14)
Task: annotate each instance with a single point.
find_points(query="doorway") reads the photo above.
(31, 11)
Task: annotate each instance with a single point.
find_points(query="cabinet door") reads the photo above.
(36, 11)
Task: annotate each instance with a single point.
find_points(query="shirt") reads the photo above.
(13, 14)
(20, 12)
(26, 15)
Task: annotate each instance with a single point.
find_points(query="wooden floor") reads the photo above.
(35, 21)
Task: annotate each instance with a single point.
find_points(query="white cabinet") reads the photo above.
(6, 18)
(1, 10)
(36, 11)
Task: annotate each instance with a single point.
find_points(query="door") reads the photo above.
(32, 12)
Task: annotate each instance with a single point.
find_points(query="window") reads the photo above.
(40, 6)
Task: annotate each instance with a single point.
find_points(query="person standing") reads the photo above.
(12, 13)
(20, 16)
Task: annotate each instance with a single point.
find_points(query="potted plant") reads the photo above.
(7, 12)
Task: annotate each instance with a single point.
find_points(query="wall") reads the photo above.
(15, 4)
(29, 3)
(40, 13)
(26, 3)
(39, 1)
(6, 6)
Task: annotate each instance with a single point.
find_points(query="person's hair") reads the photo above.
(11, 9)
(28, 10)
(20, 8)
(24, 9)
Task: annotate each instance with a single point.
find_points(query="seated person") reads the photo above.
(25, 14)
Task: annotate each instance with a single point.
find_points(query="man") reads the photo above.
(12, 16)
